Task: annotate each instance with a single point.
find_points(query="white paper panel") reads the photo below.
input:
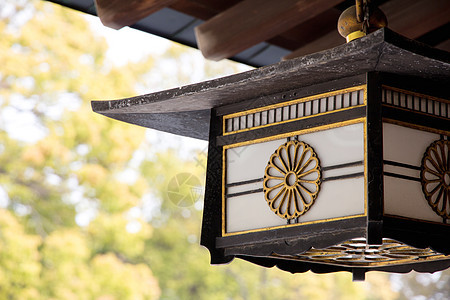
(404, 198)
(249, 162)
(337, 198)
(338, 145)
(333, 146)
(250, 212)
(405, 145)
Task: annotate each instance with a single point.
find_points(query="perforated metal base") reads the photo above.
(357, 253)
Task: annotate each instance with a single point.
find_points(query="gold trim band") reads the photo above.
(293, 102)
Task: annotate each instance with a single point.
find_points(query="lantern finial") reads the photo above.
(360, 19)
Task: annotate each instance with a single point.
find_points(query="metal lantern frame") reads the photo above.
(380, 79)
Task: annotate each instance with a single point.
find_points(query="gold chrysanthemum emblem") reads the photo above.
(435, 177)
(292, 179)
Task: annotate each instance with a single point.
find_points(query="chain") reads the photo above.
(366, 11)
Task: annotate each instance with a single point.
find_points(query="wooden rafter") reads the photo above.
(119, 13)
(253, 21)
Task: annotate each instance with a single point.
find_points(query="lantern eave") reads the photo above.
(183, 111)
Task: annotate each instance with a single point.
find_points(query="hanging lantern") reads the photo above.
(336, 161)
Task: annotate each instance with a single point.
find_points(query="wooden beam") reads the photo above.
(119, 13)
(253, 21)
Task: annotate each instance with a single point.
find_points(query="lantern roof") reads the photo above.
(186, 110)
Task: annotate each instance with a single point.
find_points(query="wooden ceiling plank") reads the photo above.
(192, 8)
(202, 9)
(216, 5)
(415, 18)
(308, 31)
(118, 13)
(409, 18)
(253, 21)
(327, 41)
(444, 45)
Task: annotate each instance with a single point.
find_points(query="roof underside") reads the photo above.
(263, 32)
